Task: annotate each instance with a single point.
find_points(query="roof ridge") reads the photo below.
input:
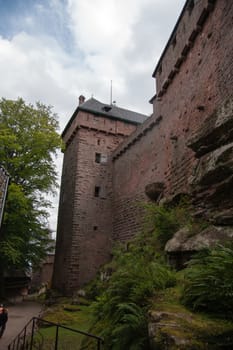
(112, 106)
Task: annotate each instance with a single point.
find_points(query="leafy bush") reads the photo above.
(162, 221)
(208, 281)
(123, 305)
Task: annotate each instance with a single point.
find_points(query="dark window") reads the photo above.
(97, 157)
(107, 108)
(95, 228)
(97, 191)
(101, 158)
(98, 142)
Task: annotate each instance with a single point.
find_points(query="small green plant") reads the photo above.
(163, 221)
(131, 328)
(208, 281)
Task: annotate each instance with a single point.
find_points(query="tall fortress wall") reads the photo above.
(148, 159)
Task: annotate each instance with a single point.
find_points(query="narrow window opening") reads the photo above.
(97, 157)
(101, 158)
(98, 142)
(95, 228)
(97, 191)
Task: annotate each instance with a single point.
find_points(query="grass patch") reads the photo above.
(78, 319)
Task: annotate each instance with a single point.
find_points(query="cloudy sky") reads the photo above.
(55, 50)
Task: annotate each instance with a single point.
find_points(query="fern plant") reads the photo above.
(208, 281)
(131, 328)
(123, 305)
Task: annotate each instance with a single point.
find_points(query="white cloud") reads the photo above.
(86, 44)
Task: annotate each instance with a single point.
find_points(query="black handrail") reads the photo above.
(22, 335)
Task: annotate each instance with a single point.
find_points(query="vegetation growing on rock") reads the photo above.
(141, 303)
(138, 303)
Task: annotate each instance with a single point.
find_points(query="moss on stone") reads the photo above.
(174, 327)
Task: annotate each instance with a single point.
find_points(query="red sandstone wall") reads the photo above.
(196, 78)
(65, 218)
(84, 234)
(96, 122)
(92, 223)
(157, 152)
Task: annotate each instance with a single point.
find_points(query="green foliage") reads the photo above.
(98, 285)
(131, 328)
(28, 142)
(123, 305)
(139, 273)
(162, 221)
(208, 281)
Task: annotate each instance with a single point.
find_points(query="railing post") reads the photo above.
(17, 347)
(24, 336)
(56, 341)
(98, 344)
(32, 335)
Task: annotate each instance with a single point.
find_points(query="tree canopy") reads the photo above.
(29, 141)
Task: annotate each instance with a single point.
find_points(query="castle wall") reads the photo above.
(103, 201)
(195, 87)
(65, 218)
(43, 275)
(84, 235)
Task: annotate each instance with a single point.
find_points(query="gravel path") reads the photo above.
(18, 316)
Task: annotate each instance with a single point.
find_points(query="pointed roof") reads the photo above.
(110, 111)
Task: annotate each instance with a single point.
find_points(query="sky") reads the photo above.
(53, 51)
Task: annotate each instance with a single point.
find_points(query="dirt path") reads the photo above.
(19, 315)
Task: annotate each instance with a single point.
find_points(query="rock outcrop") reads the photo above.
(211, 187)
(183, 330)
(216, 131)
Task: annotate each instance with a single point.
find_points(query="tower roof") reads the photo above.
(110, 111)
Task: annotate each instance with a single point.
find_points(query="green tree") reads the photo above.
(29, 141)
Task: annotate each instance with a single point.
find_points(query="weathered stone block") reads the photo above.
(214, 167)
(216, 131)
(185, 240)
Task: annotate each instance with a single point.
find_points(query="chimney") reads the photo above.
(81, 99)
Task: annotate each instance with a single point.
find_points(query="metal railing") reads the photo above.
(26, 339)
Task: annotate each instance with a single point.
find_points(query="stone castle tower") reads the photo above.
(116, 158)
(85, 222)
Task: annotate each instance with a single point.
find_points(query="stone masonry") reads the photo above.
(166, 153)
(85, 231)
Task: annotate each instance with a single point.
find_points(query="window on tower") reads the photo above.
(97, 157)
(101, 158)
(97, 191)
